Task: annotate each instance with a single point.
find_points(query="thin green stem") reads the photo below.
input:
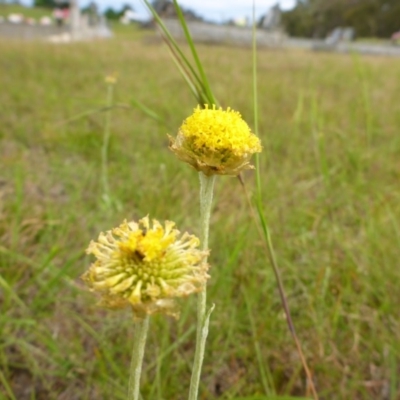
(264, 233)
(265, 372)
(203, 317)
(264, 229)
(106, 141)
(7, 387)
(139, 344)
(206, 197)
(255, 102)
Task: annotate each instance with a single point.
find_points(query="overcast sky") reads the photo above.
(217, 10)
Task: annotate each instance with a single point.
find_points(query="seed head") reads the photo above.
(145, 266)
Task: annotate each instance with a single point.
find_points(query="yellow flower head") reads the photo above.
(146, 266)
(215, 141)
(110, 79)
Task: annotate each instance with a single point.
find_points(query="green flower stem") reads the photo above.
(203, 317)
(106, 141)
(139, 344)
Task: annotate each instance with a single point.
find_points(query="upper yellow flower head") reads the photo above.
(146, 266)
(215, 141)
(110, 79)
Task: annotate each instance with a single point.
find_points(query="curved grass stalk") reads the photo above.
(106, 141)
(264, 230)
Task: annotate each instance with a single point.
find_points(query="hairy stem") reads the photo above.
(139, 344)
(203, 317)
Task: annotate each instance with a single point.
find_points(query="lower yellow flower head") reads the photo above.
(215, 141)
(146, 266)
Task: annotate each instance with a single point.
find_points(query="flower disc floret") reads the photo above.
(146, 266)
(215, 141)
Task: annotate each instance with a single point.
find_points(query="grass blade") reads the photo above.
(271, 398)
(265, 373)
(189, 40)
(7, 387)
(146, 110)
(199, 81)
(169, 38)
(265, 230)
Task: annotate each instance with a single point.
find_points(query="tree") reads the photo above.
(112, 14)
(126, 7)
(43, 3)
(161, 5)
(316, 18)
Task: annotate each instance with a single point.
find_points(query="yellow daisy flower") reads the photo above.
(110, 79)
(146, 266)
(215, 141)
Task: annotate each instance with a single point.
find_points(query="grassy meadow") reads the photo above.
(29, 12)
(330, 127)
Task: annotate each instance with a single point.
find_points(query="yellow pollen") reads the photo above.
(216, 141)
(218, 129)
(145, 264)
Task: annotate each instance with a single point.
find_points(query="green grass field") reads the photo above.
(28, 12)
(330, 170)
